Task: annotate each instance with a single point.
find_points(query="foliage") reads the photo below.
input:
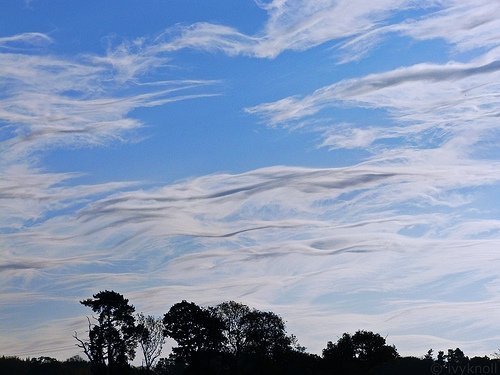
(112, 341)
(195, 330)
(43, 366)
(371, 348)
(266, 335)
(358, 353)
(233, 317)
(228, 339)
(150, 337)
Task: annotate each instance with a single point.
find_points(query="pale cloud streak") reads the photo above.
(32, 39)
(354, 28)
(291, 25)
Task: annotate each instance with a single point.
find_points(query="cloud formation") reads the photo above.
(452, 105)
(403, 242)
(291, 25)
(356, 27)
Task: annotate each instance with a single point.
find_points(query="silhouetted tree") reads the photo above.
(371, 348)
(405, 366)
(339, 356)
(429, 356)
(112, 341)
(234, 319)
(342, 350)
(166, 366)
(43, 366)
(265, 334)
(358, 353)
(440, 360)
(456, 358)
(93, 348)
(484, 364)
(195, 329)
(150, 337)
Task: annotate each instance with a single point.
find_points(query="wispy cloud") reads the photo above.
(452, 105)
(469, 25)
(291, 25)
(49, 101)
(30, 39)
(355, 27)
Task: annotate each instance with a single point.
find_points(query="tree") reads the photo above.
(195, 329)
(440, 360)
(341, 351)
(233, 317)
(358, 353)
(167, 366)
(456, 358)
(340, 356)
(429, 356)
(265, 334)
(151, 339)
(113, 339)
(371, 347)
(93, 348)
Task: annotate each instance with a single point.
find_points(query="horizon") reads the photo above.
(333, 161)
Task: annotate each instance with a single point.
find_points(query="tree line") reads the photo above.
(229, 338)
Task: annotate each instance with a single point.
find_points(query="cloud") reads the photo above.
(49, 101)
(32, 39)
(291, 25)
(447, 109)
(356, 27)
(357, 91)
(468, 25)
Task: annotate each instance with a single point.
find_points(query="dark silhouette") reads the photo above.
(359, 353)
(151, 339)
(266, 335)
(233, 316)
(43, 366)
(112, 341)
(230, 339)
(195, 329)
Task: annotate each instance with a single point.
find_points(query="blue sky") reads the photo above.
(333, 161)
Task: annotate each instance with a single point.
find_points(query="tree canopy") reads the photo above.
(226, 339)
(112, 338)
(194, 328)
(150, 337)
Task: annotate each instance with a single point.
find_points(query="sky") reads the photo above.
(333, 161)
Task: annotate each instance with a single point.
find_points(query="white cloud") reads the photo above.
(447, 110)
(468, 25)
(294, 25)
(32, 39)
(49, 101)
(355, 26)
